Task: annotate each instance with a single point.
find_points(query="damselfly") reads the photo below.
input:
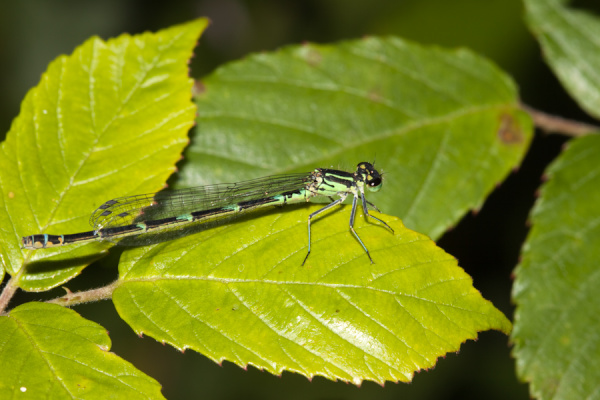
(147, 214)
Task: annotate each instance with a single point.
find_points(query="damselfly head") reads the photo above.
(370, 176)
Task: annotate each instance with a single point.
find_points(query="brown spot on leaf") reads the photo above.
(312, 56)
(375, 96)
(198, 88)
(509, 131)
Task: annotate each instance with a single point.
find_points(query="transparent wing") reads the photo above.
(147, 207)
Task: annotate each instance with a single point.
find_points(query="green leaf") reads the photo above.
(569, 40)
(436, 121)
(557, 346)
(109, 120)
(238, 292)
(50, 352)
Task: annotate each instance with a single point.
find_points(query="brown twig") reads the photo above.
(7, 293)
(71, 299)
(554, 124)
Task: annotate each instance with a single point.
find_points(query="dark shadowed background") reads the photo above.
(487, 243)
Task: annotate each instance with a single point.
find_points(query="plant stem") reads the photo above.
(554, 124)
(7, 293)
(87, 296)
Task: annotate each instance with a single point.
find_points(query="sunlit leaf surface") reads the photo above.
(109, 120)
(239, 293)
(50, 352)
